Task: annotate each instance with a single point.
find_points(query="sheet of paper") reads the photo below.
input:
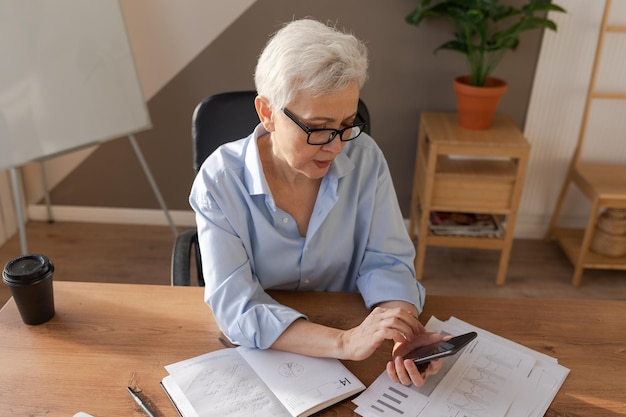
(177, 396)
(223, 384)
(491, 377)
(485, 380)
(543, 383)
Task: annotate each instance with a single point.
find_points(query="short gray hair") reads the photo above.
(307, 55)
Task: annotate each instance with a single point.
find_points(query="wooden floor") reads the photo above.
(141, 254)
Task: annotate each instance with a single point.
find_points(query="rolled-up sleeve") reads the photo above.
(245, 313)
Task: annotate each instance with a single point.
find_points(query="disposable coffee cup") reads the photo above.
(30, 279)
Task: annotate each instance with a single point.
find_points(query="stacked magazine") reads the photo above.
(465, 224)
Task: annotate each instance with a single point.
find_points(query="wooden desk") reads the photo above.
(107, 336)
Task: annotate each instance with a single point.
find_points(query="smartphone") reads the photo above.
(424, 354)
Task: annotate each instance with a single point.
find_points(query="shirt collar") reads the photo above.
(254, 175)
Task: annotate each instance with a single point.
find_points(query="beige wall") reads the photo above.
(406, 78)
(166, 35)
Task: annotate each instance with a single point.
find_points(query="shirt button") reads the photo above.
(285, 220)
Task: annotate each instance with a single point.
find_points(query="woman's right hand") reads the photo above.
(381, 324)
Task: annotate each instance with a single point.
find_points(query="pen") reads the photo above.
(139, 401)
(226, 343)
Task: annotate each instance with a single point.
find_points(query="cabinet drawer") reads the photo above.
(472, 193)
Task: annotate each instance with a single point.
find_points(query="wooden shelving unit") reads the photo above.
(570, 240)
(469, 171)
(604, 185)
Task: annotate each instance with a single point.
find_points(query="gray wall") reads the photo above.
(406, 78)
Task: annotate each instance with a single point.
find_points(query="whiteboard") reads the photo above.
(67, 78)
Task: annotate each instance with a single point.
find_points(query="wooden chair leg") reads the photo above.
(415, 203)
(586, 243)
(420, 254)
(503, 265)
(578, 275)
(559, 205)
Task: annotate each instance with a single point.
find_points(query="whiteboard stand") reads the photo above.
(153, 183)
(46, 193)
(16, 180)
(67, 80)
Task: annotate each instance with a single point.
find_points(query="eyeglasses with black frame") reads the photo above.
(326, 135)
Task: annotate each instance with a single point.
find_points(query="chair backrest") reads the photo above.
(221, 118)
(229, 116)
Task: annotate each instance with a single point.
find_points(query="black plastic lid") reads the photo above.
(27, 269)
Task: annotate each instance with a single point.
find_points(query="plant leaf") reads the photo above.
(484, 29)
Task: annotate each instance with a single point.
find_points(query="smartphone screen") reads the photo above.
(424, 354)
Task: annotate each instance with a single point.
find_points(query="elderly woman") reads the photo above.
(306, 202)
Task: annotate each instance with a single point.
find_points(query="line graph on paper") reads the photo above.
(481, 384)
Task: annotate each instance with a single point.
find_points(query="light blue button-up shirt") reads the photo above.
(356, 239)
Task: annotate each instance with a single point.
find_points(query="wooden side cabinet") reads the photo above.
(467, 171)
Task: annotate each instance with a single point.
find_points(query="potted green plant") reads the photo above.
(484, 30)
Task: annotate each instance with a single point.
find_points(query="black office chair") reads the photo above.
(218, 119)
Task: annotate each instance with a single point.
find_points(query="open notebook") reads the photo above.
(245, 382)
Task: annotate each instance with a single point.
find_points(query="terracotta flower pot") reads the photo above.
(477, 105)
